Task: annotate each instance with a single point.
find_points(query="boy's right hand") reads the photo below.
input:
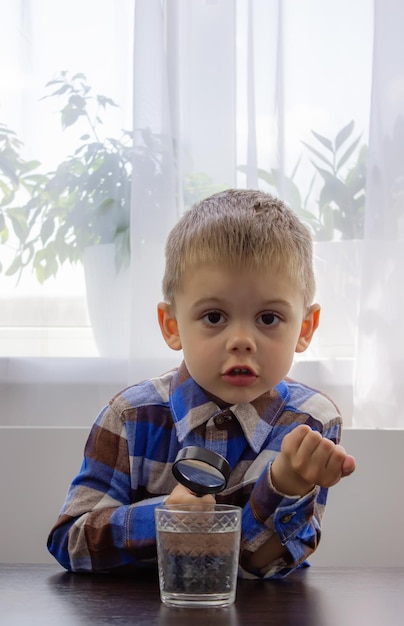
(182, 495)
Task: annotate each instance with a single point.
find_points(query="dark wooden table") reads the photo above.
(44, 595)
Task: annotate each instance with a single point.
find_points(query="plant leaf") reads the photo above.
(334, 191)
(79, 76)
(70, 116)
(14, 267)
(19, 226)
(47, 230)
(3, 229)
(294, 171)
(8, 171)
(343, 134)
(267, 177)
(327, 176)
(60, 91)
(319, 156)
(77, 101)
(347, 154)
(327, 143)
(103, 101)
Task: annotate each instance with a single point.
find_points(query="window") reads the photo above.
(294, 98)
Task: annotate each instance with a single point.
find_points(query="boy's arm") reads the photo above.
(288, 500)
(105, 523)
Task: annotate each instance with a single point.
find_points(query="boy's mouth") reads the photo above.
(240, 376)
(239, 371)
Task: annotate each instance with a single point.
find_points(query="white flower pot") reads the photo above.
(337, 267)
(108, 301)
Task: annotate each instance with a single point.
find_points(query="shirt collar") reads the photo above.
(191, 406)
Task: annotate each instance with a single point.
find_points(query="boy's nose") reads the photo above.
(241, 340)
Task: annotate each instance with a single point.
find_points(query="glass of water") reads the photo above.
(198, 554)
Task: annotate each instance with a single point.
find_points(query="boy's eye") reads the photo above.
(213, 317)
(268, 319)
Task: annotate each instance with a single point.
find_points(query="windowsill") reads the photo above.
(61, 370)
(22, 369)
(57, 391)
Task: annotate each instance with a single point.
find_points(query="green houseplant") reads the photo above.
(341, 166)
(84, 201)
(80, 210)
(338, 230)
(341, 202)
(338, 211)
(333, 206)
(53, 217)
(19, 180)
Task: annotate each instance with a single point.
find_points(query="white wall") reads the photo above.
(363, 523)
(36, 467)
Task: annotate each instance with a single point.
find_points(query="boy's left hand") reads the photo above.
(308, 459)
(182, 495)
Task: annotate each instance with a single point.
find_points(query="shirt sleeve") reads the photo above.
(296, 521)
(104, 524)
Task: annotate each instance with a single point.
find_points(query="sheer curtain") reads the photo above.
(247, 84)
(50, 369)
(184, 97)
(275, 94)
(380, 360)
(39, 41)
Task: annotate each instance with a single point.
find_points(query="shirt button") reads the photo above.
(219, 420)
(286, 518)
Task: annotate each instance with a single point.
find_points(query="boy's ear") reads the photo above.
(309, 325)
(168, 326)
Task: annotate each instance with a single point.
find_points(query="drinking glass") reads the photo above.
(198, 553)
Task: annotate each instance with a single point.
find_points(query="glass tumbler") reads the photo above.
(198, 553)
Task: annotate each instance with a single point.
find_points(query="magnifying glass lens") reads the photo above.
(201, 470)
(200, 473)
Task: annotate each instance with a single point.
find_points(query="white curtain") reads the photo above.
(40, 39)
(380, 351)
(275, 94)
(184, 98)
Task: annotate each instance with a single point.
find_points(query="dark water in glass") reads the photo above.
(199, 564)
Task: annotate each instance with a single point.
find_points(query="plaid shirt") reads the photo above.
(107, 521)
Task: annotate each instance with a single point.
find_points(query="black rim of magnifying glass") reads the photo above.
(215, 460)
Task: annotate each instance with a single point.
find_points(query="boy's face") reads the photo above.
(238, 330)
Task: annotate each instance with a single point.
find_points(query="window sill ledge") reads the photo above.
(313, 372)
(59, 391)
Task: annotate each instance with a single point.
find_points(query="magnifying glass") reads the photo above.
(201, 470)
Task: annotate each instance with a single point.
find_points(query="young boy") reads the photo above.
(238, 289)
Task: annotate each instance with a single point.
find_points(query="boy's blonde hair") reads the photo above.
(240, 229)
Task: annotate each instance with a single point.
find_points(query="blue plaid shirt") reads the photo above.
(107, 521)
